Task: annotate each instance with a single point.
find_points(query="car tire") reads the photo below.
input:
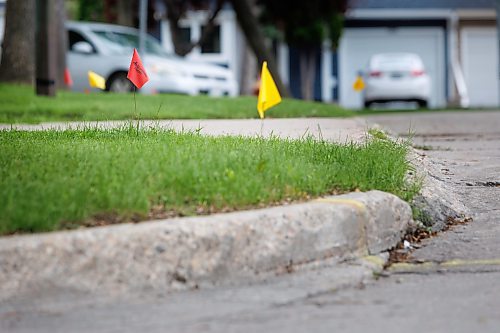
(422, 104)
(119, 83)
(367, 104)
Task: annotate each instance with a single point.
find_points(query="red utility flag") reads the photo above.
(67, 78)
(136, 73)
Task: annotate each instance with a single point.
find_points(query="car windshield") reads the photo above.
(123, 42)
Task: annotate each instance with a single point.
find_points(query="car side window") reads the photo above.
(75, 37)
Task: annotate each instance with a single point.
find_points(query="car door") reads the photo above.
(83, 56)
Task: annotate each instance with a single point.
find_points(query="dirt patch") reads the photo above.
(159, 212)
(403, 254)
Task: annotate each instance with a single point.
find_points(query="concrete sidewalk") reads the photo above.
(331, 129)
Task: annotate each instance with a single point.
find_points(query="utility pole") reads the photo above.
(143, 21)
(497, 7)
(46, 48)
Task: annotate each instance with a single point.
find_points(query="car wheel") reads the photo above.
(119, 83)
(368, 104)
(422, 104)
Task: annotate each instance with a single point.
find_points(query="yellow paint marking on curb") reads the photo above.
(404, 266)
(374, 260)
(350, 202)
(476, 262)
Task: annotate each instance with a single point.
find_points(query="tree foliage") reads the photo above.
(248, 22)
(91, 10)
(306, 24)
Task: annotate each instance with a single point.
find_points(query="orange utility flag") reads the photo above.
(269, 95)
(96, 81)
(359, 84)
(136, 73)
(67, 78)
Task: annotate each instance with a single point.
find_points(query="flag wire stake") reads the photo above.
(135, 103)
(135, 112)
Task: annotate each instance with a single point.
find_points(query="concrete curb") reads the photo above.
(201, 251)
(437, 201)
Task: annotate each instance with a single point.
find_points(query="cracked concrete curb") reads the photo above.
(437, 201)
(193, 252)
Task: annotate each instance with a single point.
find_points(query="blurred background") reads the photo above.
(315, 49)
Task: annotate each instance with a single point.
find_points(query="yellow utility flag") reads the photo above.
(359, 84)
(96, 81)
(269, 95)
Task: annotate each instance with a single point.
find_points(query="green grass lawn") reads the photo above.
(19, 104)
(53, 180)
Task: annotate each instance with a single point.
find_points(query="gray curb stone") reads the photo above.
(437, 200)
(193, 252)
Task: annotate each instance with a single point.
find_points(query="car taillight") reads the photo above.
(417, 72)
(375, 74)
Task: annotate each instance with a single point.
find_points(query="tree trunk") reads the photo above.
(125, 13)
(248, 72)
(173, 16)
(307, 73)
(255, 37)
(46, 48)
(18, 52)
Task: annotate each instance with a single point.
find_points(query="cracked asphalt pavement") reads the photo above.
(451, 284)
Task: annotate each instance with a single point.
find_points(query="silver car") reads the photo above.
(106, 49)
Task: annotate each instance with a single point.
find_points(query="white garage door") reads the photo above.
(358, 44)
(479, 54)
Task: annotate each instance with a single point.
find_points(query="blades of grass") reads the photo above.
(50, 179)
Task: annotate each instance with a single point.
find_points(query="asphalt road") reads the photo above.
(452, 286)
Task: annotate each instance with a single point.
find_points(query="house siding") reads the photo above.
(416, 16)
(377, 23)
